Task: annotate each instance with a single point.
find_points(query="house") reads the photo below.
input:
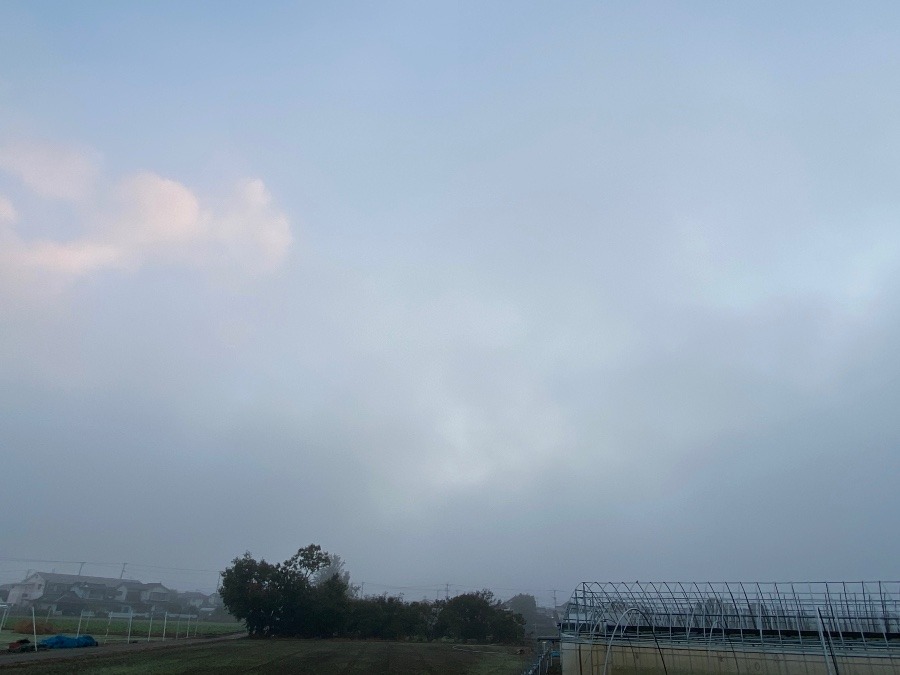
(199, 600)
(61, 592)
(194, 599)
(73, 593)
(146, 597)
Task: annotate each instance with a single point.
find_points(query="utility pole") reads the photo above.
(80, 567)
(447, 591)
(122, 573)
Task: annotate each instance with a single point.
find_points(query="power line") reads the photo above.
(176, 577)
(108, 564)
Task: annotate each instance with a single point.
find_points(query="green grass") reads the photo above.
(322, 657)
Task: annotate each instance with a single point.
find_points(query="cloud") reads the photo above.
(7, 211)
(156, 213)
(252, 229)
(50, 170)
(142, 219)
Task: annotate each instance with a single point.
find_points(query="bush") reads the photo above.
(479, 617)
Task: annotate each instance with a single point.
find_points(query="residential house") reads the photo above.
(194, 599)
(202, 601)
(139, 597)
(74, 593)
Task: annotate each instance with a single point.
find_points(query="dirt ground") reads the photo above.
(325, 657)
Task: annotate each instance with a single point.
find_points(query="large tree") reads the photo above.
(274, 599)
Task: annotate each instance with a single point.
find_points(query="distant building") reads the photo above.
(73, 593)
(200, 601)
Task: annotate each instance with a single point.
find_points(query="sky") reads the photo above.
(511, 295)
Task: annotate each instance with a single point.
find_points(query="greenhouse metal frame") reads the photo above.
(838, 618)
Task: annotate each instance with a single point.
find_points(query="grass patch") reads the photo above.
(115, 631)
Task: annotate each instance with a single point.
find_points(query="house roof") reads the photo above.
(68, 596)
(138, 586)
(84, 581)
(54, 578)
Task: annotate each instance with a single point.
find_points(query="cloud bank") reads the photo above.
(139, 219)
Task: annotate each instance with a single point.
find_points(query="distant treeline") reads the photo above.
(307, 596)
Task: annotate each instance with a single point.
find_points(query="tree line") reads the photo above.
(310, 595)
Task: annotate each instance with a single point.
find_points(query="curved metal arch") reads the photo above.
(613, 636)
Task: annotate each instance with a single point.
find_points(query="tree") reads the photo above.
(248, 591)
(307, 561)
(274, 599)
(331, 608)
(478, 616)
(308, 595)
(525, 605)
(335, 567)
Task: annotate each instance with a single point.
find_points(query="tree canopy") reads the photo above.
(276, 599)
(310, 595)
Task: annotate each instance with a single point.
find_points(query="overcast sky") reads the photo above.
(498, 294)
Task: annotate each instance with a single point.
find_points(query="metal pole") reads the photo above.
(759, 613)
(80, 617)
(165, 621)
(781, 616)
(737, 615)
(828, 664)
(34, 627)
(834, 620)
(884, 618)
(799, 610)
(130, 619)
(150, 629)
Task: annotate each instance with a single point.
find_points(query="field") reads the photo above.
(107, 631)
(321, 657)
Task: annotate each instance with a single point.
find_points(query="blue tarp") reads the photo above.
(65, 642)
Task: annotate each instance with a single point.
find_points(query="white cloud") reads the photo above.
(51, 170)
(7, 211)
(251, 229)
(144, 218)
(156, 212)
(74, 259)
